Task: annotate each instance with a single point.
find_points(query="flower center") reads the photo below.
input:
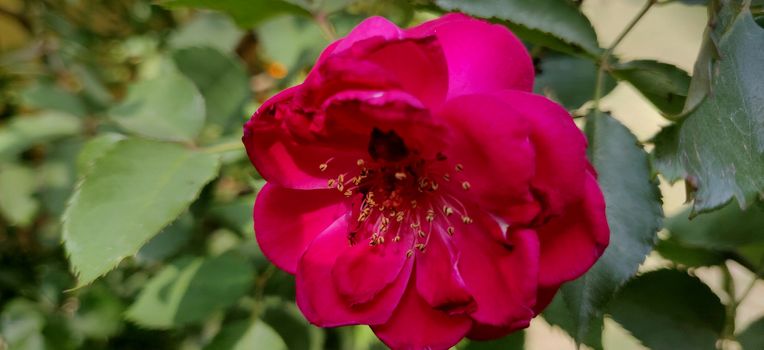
(397, 192)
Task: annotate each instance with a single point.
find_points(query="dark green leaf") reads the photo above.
(169, 241)
(237, 215)
(720, 144)
(167, 107)
(634, 214)
(663, 84)
(99, 314)
(23, 132)
(245, 335)
(687, 255)
(290, 324)
(221, 79)
(559, 314)
(559, 19)
(664, 155)
(132, 192)
(17, 187)
(190, 289)
(727, 228)
(246, 13)
(514, 341)
(569, 80)
(21, 325)
(670, 310)
(752, 338)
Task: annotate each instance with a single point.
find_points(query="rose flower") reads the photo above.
(416, 185)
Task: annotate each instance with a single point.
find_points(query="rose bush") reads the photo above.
(415, 184)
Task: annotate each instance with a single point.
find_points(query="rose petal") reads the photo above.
(372, 27)
(437, 279)
(287, 220)
(482, 57)
(572, 243)
(416, 325)
(317, 296)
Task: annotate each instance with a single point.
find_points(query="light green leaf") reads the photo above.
(559, 19)
(190, 289)
(720, 144)
(132, 192)
(221, 79)
(670, 310)
(569, 80)
(752, 338)
(292, 41)
(21, 325)
(23, 132)
(17, 187)
(245, 335)
(665, 85)
(167, 107)
(45, 95)
(99, 314)
(634, 215)
(246, 13)
(95, 148)
(207, 29)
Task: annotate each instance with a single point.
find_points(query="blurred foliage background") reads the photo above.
(126, 197)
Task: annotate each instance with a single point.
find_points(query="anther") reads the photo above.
(450, 230)
(434, 186)
(459, 167)
(420, 246)
(466, 185)
(400, 175)
(397, 239)
(331, 183)
(422, 234)
(466, 219)
(413, 204)
(348, 193)
(446, 177)
(409, 253)
(447, 210)
(430, 215)
(360, 162)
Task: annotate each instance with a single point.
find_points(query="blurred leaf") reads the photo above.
(169, 241)
(94, 149)
(727, 228)
(558, 314)
(190, 289)
(665, 85)
(236, 214)
(45, 95)
(23, 132)
(57, 175)
(132, 192)
(559, 19)
(670, 310)
(207, 29)
(245, 335)
(21, 325)
(246, 13)
(634, 215)
(720, 145)
(569, 80)
(221, 79)
(514, 341)
(17, 187)
(689, 256)
(752, 338)
(291, 41)
(99, 314)
(167, 107)
(290, 324)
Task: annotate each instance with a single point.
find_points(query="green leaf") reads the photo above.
(132, 192)
(46, 95)
(664, 156)
(687, 255)
(292, 41)
(720, 144)
(21, 325)
(167, 107)
(670, 310)
(245, 335)
(237, 214)
(190, 289)
(569, 80)
(514, 341)
(752, 338)
(17, 187)
(221, 79)
(559, 314)
(559, 19)
(665, 85)
(728, 228)
(634, 214)
(99, 314)
(94, 149)
(290, 324)
(207, 29)
(246, 13)
(23, 132)
(169, 241)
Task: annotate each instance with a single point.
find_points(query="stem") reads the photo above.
(326, 27)
(603, 59)
(224, 147)
(260, 284)
(729, 288)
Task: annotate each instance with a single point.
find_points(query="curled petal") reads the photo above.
(572, 243)
(319, 298)
(415, 325)
(438, 280)
(482, 57)
(287, 220)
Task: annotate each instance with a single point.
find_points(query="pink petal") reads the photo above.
(482, 57)
(559, 145)
(363, 271)
(500, 275)
(372, 27)
(415, 325)
(280, 149)
(480, 331)
(287, 220)
(318, 297)
(572, 243)
(438, 281)
(492, 143)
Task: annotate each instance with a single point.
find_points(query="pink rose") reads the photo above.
(415, 184)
